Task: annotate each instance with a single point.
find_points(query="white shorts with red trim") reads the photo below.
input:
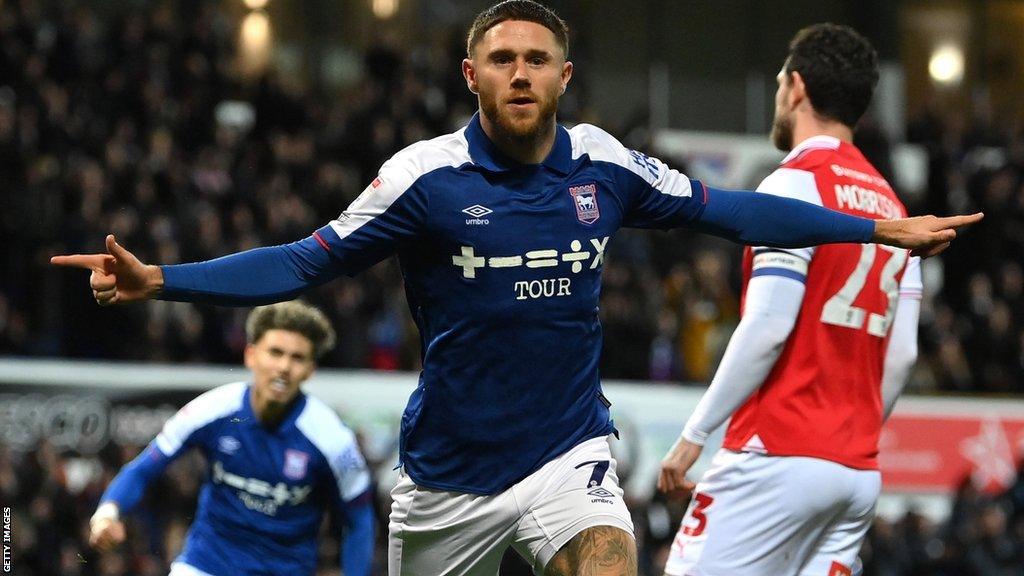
(754, 514)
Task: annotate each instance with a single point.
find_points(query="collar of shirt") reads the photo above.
(821, 141)
(486, 155)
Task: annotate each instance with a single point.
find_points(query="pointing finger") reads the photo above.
(958, 221)
(98, 262)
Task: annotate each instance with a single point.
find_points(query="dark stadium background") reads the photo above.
(194, 128)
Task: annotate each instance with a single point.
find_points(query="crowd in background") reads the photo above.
(140, 127)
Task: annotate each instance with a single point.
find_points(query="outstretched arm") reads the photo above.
(390, 211)
(766, 219)
(258, 276)
(657, 196)
(254, 277)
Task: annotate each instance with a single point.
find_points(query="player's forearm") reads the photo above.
(900, 354)
(772, 306)
(259, 276)
(357, 547)
(129, 486)
(765, 219)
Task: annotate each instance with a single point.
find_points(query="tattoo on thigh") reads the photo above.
(597, 551)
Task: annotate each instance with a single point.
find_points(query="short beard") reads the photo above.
(516, 133)
(782, 132)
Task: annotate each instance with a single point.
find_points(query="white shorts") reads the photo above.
(441, 533)
(787, 515)
(182, 569)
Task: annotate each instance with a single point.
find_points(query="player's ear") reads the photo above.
(566, 75)
(249, 355)
(797, 90)
(469, 73)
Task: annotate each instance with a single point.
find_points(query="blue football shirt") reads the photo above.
(502, 265)
(266, 490)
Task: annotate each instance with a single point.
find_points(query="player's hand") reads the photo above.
(674, 466)
(118, 276)
(106, 530)
(924, 235)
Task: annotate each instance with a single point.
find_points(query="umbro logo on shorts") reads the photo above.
(600, 492)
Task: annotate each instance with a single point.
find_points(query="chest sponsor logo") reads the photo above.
(477, 212)
(585, 199)
(578, 257)
(228, 444)
(259, 495)
(295, 463)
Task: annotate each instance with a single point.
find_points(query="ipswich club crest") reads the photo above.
(585, 199)
(295, 463)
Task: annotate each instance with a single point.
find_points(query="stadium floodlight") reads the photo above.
(256, 31)
(946, 65)
(384, 9)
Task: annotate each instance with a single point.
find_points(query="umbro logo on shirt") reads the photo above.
(477, 212)
(228, 444)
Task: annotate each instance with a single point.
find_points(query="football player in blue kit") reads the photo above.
(278, 460)
(501, 230)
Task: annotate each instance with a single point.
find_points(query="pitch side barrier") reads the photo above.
(928, 447)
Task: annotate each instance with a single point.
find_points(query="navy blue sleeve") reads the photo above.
(390, 211)
(129, 486)
(254, 277)
(768, 220)
(357, 544)
(657, 196)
